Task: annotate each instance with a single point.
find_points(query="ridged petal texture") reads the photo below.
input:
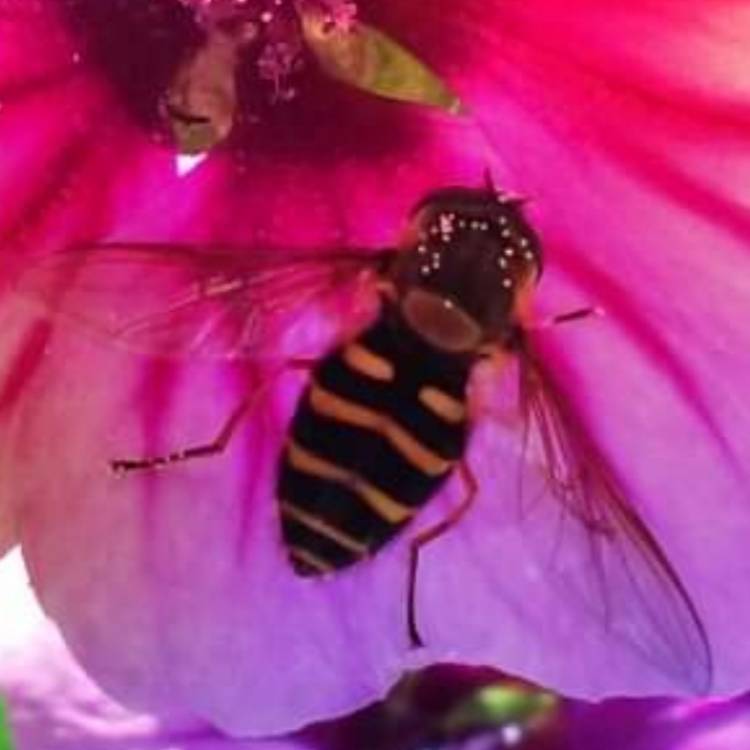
(627, 125)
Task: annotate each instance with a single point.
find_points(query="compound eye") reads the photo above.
(440, 321)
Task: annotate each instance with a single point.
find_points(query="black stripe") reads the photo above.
(400, 401)
(365, 453)
(299, 535)
(417, 366)
(392, 339)
(335, 504)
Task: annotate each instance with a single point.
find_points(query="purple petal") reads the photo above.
(173, 590)
(54, 706)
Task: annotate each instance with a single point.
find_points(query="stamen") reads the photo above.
(274, 26)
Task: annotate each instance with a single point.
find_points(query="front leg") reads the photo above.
(219, 443)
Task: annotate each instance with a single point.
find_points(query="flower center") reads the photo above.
(259, 40)
(273, 30)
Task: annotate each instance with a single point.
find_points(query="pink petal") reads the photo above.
(53, 705)
(173, 590)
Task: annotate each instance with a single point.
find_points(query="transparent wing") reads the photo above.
(630, 585)
(179, 300)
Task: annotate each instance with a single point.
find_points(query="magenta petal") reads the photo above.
(173, 590)
(86, 157)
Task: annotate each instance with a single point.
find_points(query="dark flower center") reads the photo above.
(271, 30)
(242, 67)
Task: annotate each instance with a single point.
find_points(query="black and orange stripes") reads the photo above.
(377, 432)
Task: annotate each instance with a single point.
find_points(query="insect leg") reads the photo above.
(215, 446)
(428, 535)
(568, 317)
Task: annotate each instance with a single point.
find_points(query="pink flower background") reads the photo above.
(54, 706)
(626, 125)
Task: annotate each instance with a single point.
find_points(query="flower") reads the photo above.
(53, 705)
(172, 589)
(659, 724)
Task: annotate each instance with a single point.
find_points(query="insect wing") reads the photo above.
(631, 586)
(178, 300)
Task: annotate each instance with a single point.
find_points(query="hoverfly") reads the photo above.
(384, 420)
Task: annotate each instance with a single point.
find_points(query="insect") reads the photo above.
(384, 420)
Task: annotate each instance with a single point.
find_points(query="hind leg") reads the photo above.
(430, 534)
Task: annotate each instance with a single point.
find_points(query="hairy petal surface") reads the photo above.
(172, 588)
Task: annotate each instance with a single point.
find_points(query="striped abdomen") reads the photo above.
(377, 432)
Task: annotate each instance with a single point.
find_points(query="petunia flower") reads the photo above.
(627, 127)
(52, 705)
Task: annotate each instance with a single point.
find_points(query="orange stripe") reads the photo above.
(324, 529)
(364, 361)
(384, 505)
(309, 559)
(328, 405)
(440, 403)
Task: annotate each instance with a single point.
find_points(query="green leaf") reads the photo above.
(5, 743)
(368, 59)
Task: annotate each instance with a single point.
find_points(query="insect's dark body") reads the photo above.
(387, 412)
